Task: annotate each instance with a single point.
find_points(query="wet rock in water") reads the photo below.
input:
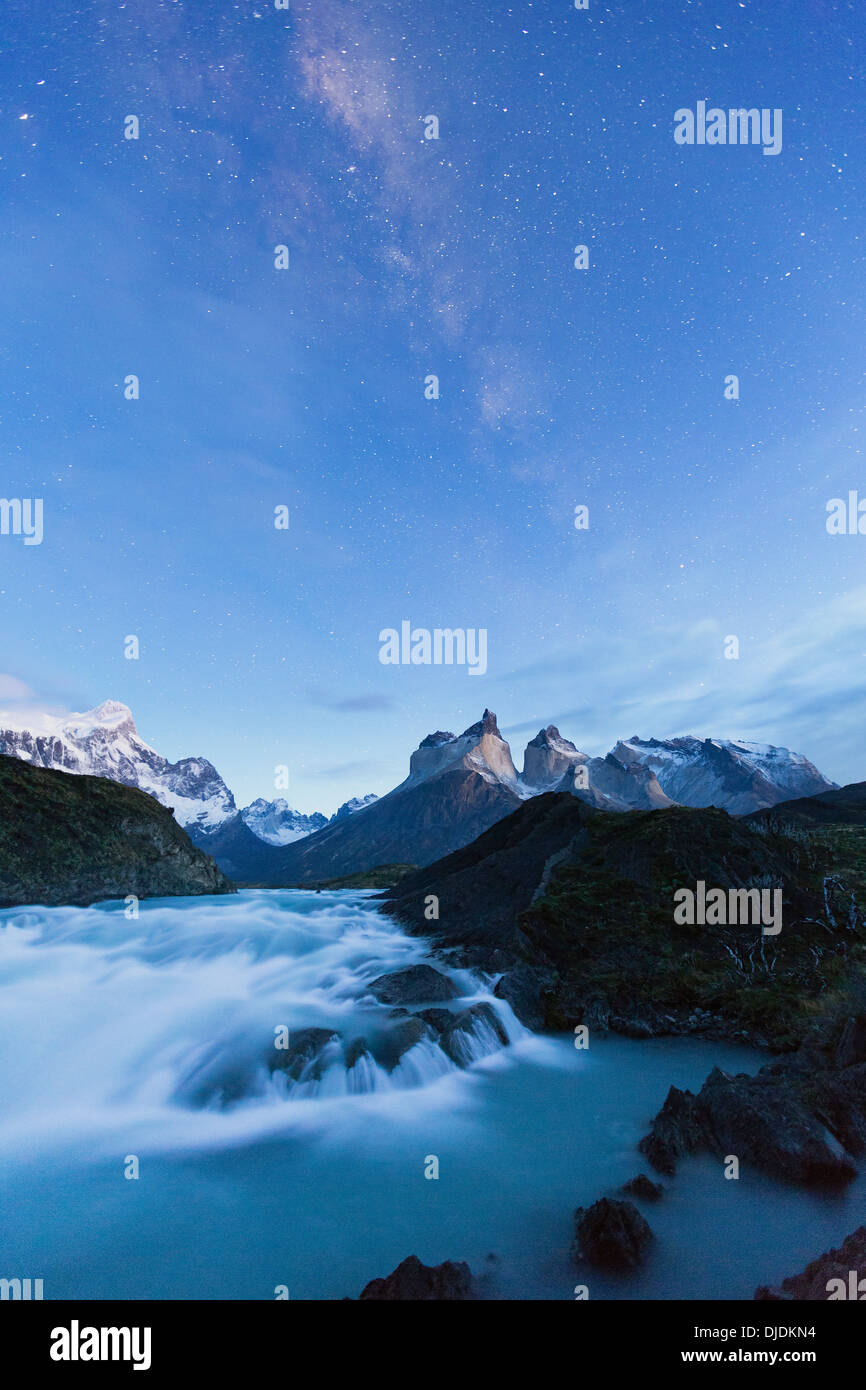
(522, 989)
(835, 1275)
(644, 1187)
(414, 1280)
(610, 1233)
(417, 984)
(303, 1058)
(356, 1049)
(773, 1121)
(391, 1047)
(459, 1039)
(439, 1019)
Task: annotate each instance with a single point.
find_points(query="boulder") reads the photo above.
(355, 1050)
(439, 1019)
(414, 1280)
(392, 1045)
(773, 1121)
(522, 989)
(303, 1058)
(457, 1040)
(417, 984)
(610, 1233)
(644, 1187)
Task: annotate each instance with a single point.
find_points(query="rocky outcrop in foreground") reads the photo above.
(423, 1283)
(802, 1119)
(610, 1233)
(73, 839)
(833, 1276)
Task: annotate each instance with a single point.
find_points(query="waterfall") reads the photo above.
(253, 1002)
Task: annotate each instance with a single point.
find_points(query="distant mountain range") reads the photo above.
(458, 786)
(277, 824)
(104, 742)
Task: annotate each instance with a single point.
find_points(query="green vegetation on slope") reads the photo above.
(383, 876)
(606, 923)
(71, 839)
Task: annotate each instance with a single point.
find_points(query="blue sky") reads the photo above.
(558, 387)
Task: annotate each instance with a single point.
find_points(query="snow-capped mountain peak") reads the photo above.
(104, 742)
(277, 823)
(108, 717)
(736, 775)
(355, 803)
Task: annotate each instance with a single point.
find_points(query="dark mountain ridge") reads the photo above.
(68, 838)
(457, 787)
(841, 806)
(576, 907)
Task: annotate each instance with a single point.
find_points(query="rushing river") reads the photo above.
(151, 1038)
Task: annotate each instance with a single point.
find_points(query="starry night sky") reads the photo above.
(558, 387)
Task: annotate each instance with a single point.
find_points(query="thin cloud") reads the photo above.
(11, 688)
(351, 704)
(361, 704)
(337, 770)
(795, 688)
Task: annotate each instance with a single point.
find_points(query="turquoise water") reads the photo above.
(104, 1023)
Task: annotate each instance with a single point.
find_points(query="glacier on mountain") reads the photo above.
(104, 742)
(736, 775)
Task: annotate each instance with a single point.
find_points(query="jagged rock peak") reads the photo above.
(436, 740)
(550, 737)
(480, 749)
(547, 757)
(486, 725)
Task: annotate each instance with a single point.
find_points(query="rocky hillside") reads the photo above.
(79, 839)
(576, 907)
